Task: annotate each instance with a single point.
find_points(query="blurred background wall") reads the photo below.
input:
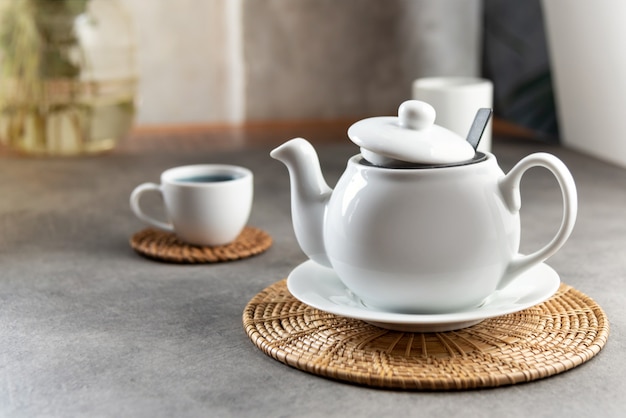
(208, 61)
(184, 60)
(328, 58)
(230, 61)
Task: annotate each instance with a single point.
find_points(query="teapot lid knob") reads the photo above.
(417, 115)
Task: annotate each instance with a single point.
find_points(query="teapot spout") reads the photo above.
(309, 196)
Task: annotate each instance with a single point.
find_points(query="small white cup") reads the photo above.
(456, 101)
(206, 204)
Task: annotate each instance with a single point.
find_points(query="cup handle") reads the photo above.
(135, 196)
(509, 187)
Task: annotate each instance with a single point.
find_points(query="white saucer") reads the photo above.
(320, 288)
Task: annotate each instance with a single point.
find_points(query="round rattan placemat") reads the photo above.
(549, 338)
(165, 246)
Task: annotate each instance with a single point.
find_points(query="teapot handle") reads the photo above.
(509, 187)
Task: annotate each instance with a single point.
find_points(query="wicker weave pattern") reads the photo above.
(165, 246)
(541, 341)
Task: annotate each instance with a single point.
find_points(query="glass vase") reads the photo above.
(67, 75)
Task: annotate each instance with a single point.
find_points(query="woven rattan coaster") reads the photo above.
(549, 338)
(165, 246)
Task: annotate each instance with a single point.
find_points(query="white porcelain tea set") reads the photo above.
(422, 231)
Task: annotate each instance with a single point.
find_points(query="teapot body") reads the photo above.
(419, 240)
(425, 240)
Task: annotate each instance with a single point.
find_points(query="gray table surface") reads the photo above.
(89, 328)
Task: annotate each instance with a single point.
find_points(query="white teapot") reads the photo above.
(419, 222)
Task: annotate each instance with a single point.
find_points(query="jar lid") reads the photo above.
(412, 137)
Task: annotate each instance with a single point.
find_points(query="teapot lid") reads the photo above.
(410, 138)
